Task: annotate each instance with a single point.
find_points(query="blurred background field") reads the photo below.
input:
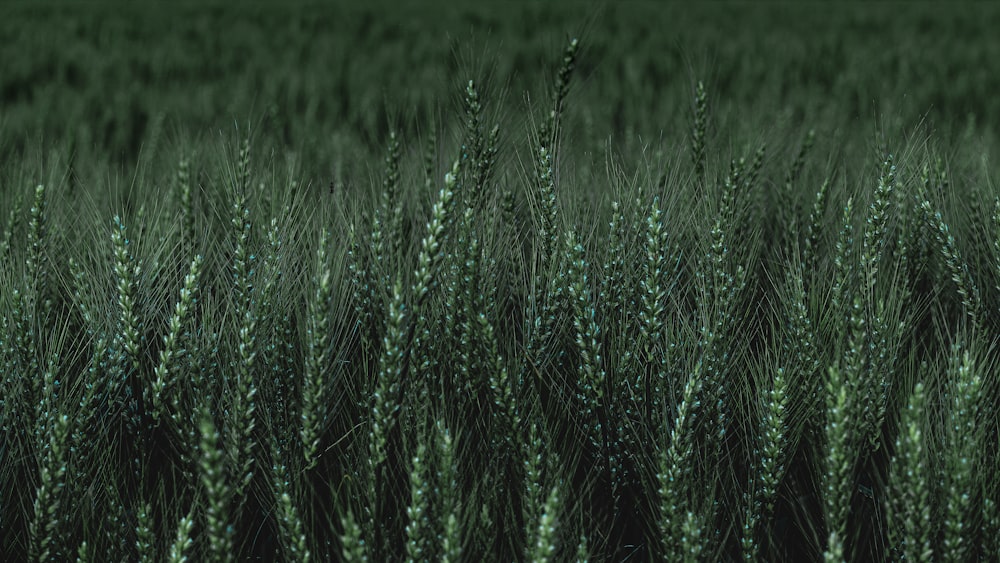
(327, 80)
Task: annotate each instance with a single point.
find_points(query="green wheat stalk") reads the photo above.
(960, 462)
(654, 290)
(354, 547)
(814, 228)
(544, 548)
(37, 260)
(588, 341)
(676, 461)
(162, 377)
(446, 494)
(843, 264)
(186, 201)
(699, 132)
(838, 462)
(910, 480)
(314, 409)
(11, 227)
(218, 491)
(182, 544)
(419, 528)
(875, 226)
(145, 543)
(293, 537)
(241, 401)
(385, 404)
(769, 466)
(957, 266)
(44, 533)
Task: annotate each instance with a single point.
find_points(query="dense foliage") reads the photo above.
(551, 282)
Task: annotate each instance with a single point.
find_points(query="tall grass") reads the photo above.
(508, 359)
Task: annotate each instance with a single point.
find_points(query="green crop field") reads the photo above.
(532, 281)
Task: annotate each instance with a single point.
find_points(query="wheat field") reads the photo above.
(543, 283)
